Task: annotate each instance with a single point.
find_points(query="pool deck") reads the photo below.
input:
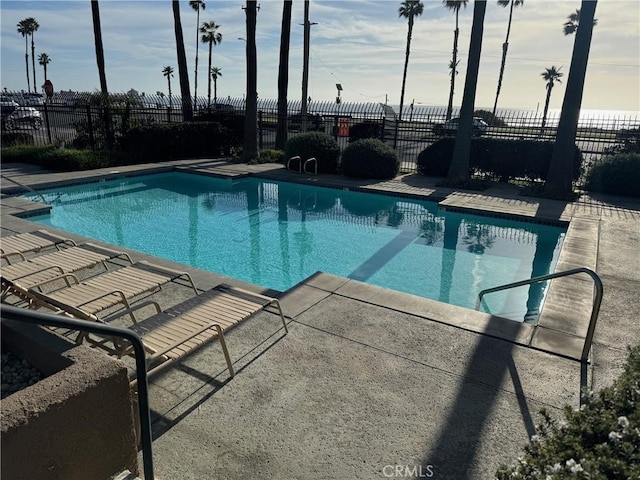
(372, 383)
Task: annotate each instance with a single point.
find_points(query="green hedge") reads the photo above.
(506, 159)
(320, 145)
(600, 441)
(66, 160)
(10, 139)
(617, 174)
(369, 158)
(166, 141)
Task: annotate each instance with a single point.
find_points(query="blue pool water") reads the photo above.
(276, 234)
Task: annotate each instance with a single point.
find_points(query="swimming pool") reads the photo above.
(276, 234)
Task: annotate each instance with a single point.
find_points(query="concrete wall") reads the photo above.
(77, 423)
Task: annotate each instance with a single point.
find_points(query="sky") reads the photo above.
(359, 44)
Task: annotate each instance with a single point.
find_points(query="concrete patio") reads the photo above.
(371, 383)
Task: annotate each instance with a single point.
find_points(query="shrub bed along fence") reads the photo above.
(82, 120)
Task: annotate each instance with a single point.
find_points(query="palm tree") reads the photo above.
(459, 169)
(44, 60)
(455, 6)
(97, 35)
(23, 29)
(250, 146)
(409, 9)
(197, 5)
(550, 75)
(215, 72)
(33, 26)
(571, 25)
(560, 176)
(283, 75)
(211, 36)
(183, 73)
(168, 72)
(505, 46)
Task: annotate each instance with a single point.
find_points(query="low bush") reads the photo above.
(505, 159)
(367, 129)
(600, 441)
(616, 174)
(10, 139)
(165, 141)
(270, 156)
(369, 158)
(322, 146)
(65, 159)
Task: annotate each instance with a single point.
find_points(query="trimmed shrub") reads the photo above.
(67, 159)
(369, 158)
(322, 146)
(10, 139)
(600, 441)
(506, 159)
(367, 129)
(617, 174)
(271, 156)
(165, 141)
(233, 122)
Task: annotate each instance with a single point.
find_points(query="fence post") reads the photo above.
(384, 119)
(260, 129)
(46, 119)
(92, 139)
(168, 114)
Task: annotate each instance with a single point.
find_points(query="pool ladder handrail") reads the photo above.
(312, 159)
(26, 187)
(302, 167)
(595, 308)
(297, 157)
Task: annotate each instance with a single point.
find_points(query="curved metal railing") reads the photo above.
(29, 316)
(595, 308)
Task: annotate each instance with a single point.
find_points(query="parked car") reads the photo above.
(6, 101)
(13, 117)
(33, 99)
(450, 127)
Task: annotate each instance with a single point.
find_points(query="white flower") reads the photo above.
(556, 467)
(624, 423)
(535, 438)
(614, 437)
(573, 466)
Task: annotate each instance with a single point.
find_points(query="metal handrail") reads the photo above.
(25, 187)
(312, 159)
(595, 308)
(23, 315)
(297, 157)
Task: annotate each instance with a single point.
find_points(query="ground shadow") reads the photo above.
(455, 453)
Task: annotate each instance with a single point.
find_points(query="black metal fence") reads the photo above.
(79, 119)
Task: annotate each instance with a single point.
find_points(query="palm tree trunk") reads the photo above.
(560, 176)
(169, 82)
(459, 170)
(250, 147)
(33, 64)
(215, 91)
(209, 76)
(97, 35)
(505, 47)
(195, 77)
(406, 65)
(26, 61)
(546, 108)
(453, 73)
(183, 74)
(283, 75)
